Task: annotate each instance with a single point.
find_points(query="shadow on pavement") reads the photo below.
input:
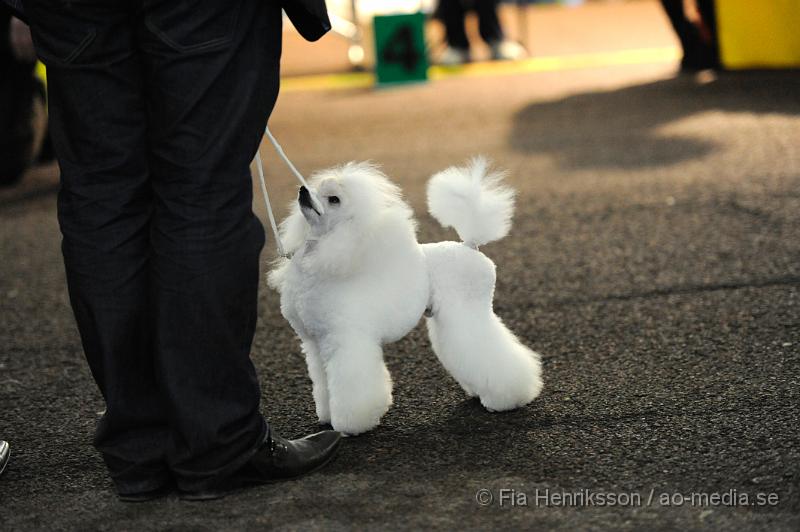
(619, 129)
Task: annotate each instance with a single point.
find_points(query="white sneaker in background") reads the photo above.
(454, 56)
(507, 50)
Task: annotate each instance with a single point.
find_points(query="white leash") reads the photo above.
(260, 167)
(284, 157)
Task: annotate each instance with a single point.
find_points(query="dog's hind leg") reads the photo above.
(471, 342)
(319, 381)
(359, 384)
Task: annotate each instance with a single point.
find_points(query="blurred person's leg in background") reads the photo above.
(453, 13)
(491, 32)
(21, 96)
(708, 17)
(489, 21)
(699, 42)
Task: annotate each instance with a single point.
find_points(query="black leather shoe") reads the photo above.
(277, 459)
(5, 454)
(145, 496)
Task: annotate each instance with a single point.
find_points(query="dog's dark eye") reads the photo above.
(333, 199)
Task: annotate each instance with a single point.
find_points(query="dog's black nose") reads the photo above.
(305, 197)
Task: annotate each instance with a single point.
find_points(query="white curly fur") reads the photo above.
(473, 201)
(358, 279)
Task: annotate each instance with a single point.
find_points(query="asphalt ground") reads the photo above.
(654, 263)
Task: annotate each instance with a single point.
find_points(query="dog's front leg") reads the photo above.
(359, 384)
(319, 381)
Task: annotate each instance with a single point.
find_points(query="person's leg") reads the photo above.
(687, 34)
(488, 21)
(212, 71)
(453, 13)
(17, 90)
(709, 16)
(98, 127)
(683, 28)
(492, 33)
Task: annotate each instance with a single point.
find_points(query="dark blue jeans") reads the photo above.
(157, 108)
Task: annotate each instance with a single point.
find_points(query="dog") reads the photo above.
(358, 279)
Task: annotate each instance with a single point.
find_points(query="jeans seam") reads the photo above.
(79, 49)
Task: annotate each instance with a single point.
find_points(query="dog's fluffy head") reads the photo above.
(356, 194)
(359, 205)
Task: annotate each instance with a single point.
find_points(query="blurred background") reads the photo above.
(382, 43)
(389, 42)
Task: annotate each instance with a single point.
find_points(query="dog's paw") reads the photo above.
(354, 428)
(505, 403)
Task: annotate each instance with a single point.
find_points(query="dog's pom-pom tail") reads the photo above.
(472, 200)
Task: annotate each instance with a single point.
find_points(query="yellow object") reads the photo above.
(764, 34)
(41, 72)
(363, 80)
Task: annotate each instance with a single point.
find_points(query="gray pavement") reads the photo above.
(655, 264)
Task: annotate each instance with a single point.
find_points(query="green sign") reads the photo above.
(400, 48)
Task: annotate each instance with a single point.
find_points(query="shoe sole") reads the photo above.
(215, 495)
(141, 498)
(146, 496)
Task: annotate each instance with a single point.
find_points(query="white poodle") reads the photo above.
(358, 279)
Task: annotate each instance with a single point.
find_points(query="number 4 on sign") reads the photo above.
(400, 48)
